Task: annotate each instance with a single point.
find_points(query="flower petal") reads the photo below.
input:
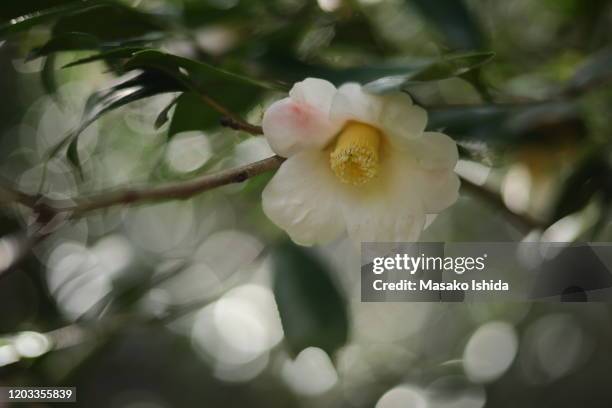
(401, 120)
(302, 199)
(379, 221)
(390, 209)
(352, 103)
(439, 189)
(435, 151)
(292, 126)
(314, 92)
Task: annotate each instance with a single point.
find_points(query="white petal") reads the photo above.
(383, 222)
(292, 126)
(439, 189)
(435, 151)
(352, 103)
(302, 199)
(315, 92)
(400, 119)
(391, 209)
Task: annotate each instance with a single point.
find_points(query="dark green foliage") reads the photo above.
(312, 309)
(446, 67)
(592, 178)
(453, 19)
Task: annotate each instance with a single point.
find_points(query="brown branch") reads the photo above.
(232, 123)
(15, 248)
(10, 195)
(50, 213)
(189, 188)
(523, 221)
(177, 190)
(229, 118)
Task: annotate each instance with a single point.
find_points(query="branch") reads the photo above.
(232, 123)
(177, 190)
(525, 222)
(189, 188)
(9, 195)
(229, 118)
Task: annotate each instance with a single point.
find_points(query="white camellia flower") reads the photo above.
(356, 162)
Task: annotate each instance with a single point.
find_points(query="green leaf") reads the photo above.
(449, 66)
(312, 309)
(191, 114)
(13, 9)
(110, 21)
(201, 13)
(509, 126)
(453, 19)
(163, 116)
(593, 174)
(476, 123)
(142, 86)
(47, 75)
(360, 31)
(290, 69)
(108, 56)
(66, 42)
(597, 69)
(72, 154)
(194, 74)
(35, 17)
(234, 92)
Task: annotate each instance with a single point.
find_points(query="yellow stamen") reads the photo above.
(355, 158)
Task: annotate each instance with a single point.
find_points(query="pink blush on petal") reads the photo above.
(291, 126)
(303, 115)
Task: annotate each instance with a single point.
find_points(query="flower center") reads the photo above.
(355, 158)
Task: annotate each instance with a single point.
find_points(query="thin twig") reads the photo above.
(10, 195)
(52, 212)
(16, 247)
(241, 125)
(229, 118)
(189, 188)
(177, 190)
(523, 221)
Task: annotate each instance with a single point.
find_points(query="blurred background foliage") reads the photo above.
(203, 302)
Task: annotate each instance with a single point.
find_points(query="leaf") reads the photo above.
(368, 73)
(453, 19)
(312, 309)
(592, 175)
(142, 86)
(162, 117)
(446, 67)
(110, 21)
(597, 69)
(290, 69)
(234, 92)
(509, 125)
(111, 55)
(72, 154)
(66, 42)
(192, 113)
(360, 31)
(478, 122)
(13, 9)
(33, 18)
(201, 13)
(47, 75)
(194, 74)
